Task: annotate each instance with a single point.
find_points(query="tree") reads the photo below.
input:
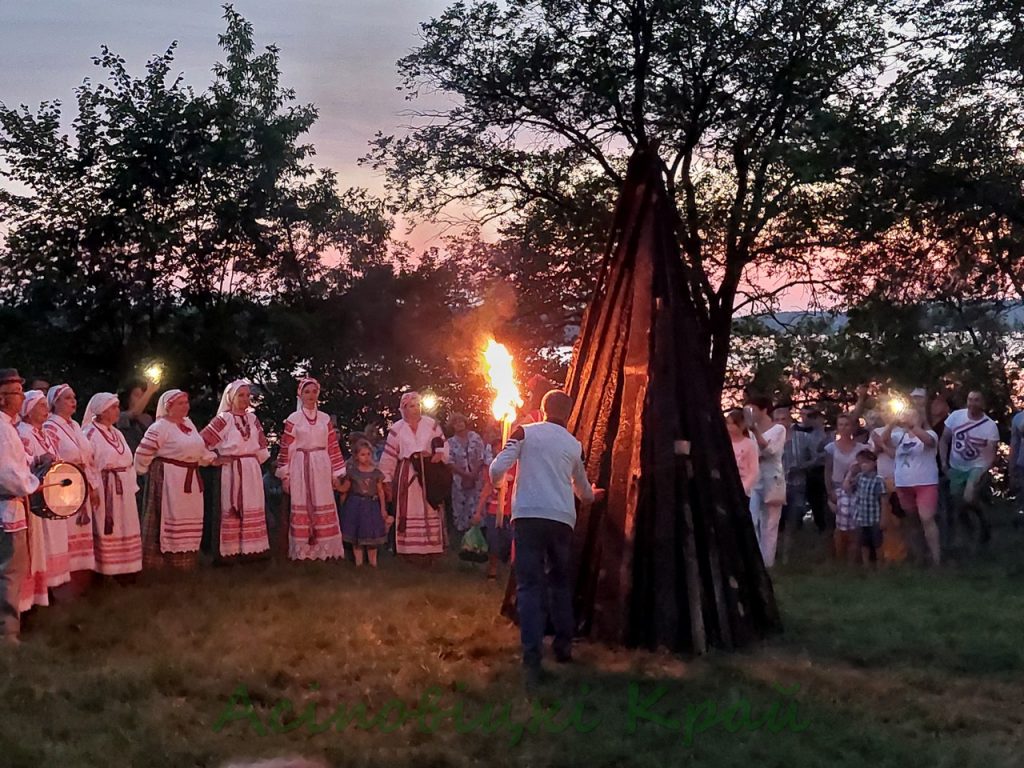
(949, 348)
(945, 186)
(160, 225)
(756, 109)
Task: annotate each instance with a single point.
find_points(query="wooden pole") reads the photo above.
(506, 428)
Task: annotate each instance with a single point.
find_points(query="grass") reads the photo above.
(904, 667)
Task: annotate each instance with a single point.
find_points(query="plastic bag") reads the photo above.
(474, 546)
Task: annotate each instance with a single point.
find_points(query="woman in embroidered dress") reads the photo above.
(237, 437)
(74, 447)
(412, 440)
(116, 529)
(39, 451)
(171, 452)
(311, 466)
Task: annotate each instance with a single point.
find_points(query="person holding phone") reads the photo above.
(914, 447)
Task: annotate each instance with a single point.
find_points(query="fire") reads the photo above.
(501, 377)
(155, 372)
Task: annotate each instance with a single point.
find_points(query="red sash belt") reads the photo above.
(307, 474)
(192, 467)
(237, 486)
(118, 488)
(401, 512)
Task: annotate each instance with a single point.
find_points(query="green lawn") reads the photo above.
(904, 667)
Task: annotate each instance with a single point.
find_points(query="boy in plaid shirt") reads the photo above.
(846, 537)
(867, 506)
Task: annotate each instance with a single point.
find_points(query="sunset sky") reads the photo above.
(337, 54)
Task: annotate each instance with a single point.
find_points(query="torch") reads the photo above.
(154, 373)
(507, 401)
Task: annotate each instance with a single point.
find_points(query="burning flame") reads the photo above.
(501, 378)
(155, 372)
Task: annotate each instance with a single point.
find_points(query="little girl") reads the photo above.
(364, 516)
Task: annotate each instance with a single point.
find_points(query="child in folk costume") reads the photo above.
(412, 441)
(116, 528)
(237, 437)
(311, 466)
(171, 452)
(38, 451)
(364, 515)
(74, 447)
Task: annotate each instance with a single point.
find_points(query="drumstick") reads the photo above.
(61, 483)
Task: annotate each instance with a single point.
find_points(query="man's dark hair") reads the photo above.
(557, 403)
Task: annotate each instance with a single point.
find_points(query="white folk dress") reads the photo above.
(181, 449)
(419, 527)
(34, 588)
(74, 447)
(243, 515)
(54, 532)
(118, 535)
(309, 459)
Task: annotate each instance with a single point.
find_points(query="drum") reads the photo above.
(62, 492)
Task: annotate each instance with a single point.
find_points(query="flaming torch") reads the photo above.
(507, 401)
(154, 373)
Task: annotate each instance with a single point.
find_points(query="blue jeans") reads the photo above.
(542, 554)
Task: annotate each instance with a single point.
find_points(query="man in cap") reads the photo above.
(16, 482)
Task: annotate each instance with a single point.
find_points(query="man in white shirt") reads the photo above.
(16, 482)
(968, 451)
(550, 473)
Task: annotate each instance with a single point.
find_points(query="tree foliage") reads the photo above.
(191, 227)
(945, 186)
(756, 107)
(948, 348)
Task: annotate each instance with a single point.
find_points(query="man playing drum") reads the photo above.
(16, 482)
